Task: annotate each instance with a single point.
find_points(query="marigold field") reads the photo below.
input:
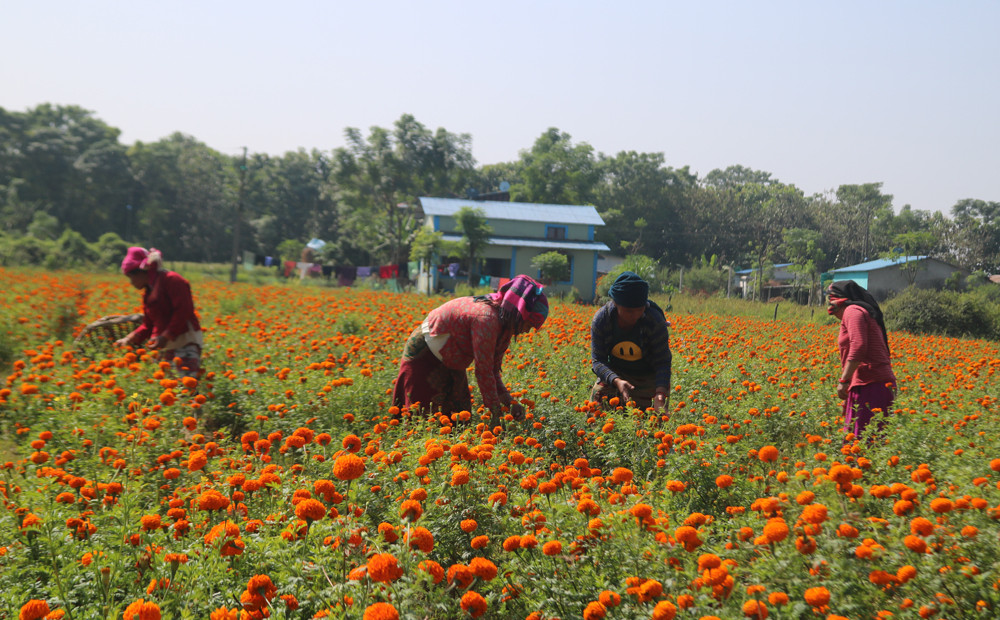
(281, 484)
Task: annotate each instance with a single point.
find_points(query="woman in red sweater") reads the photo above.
(867, 383)
(461, 332)
(169, 320)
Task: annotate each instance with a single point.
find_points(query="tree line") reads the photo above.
(65, 175)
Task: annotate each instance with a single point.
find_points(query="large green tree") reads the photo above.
(642, 202)
(379, 178)
(471, 222)
(556, 171)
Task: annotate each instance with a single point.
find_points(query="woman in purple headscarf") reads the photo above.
(867, 383)
(169, 320)
(463, 331)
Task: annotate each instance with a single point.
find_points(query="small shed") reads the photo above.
(887, 276)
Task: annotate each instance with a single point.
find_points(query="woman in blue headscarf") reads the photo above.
(630, 346)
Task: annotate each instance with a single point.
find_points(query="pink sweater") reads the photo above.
(860, 338)
(474, 334)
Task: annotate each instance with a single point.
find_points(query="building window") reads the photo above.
(555, 232)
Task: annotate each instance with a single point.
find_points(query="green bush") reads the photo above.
(647, 269)
(972, 314)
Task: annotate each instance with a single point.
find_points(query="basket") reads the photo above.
(100, 336)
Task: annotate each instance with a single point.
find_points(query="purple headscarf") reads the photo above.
(523, 295)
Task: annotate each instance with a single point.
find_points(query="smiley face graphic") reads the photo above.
(627, 350)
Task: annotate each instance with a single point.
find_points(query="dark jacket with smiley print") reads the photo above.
(642, 350)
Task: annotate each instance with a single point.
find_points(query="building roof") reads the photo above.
(743, 272)
(882, 263)
(539, 243)
(524, 211)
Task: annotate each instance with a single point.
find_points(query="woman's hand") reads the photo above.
(517, 410)
(123, 342)
(842, 390)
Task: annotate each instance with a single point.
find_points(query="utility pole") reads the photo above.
(239, 215)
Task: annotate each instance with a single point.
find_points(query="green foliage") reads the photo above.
(110, 250)
(291, 249)
(43, 226)
(72, 251)
(471, 222)
(704, 277)
(27, 250)
(647, 269)
(974, 314)
(553, 267)
(427, 244)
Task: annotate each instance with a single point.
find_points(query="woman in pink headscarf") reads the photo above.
(463, 331)
(169, 320)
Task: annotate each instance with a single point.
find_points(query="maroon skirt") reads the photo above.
(426, 384)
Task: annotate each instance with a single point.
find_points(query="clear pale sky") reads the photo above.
(818, 93)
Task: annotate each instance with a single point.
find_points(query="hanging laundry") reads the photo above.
(364, 272)
(453, 269)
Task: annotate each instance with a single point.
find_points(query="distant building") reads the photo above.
(522, 231)
(780, 282)
(885, 277)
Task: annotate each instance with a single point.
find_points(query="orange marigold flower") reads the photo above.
(675, 486)
(814, 513)
(817, 597)
(348, 467)
(776, 530)
(942, 505)
(310, 510)
(150, 522)
(512, 543)
(707, 561)
(410, 509)
(468, 525)
(380, 611)
(553, 547)
(474, 603)
(212, 500)
(755, 609)
(641, 511)
(483, 568)
(420, 538)
(621, 475)
(433, 569)
(664, 610)
(383, 567)
(35, 609)
(261, 585)
(915, 544)
(594, 611)
(768, 454)
(609, 598)
(777, 598)
(921, 526)
(478, 542)
(724, 481)
(141, 610)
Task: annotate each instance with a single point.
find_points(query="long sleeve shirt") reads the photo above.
(650, 335)
(860, 339)
(168, 311)
(474, 334)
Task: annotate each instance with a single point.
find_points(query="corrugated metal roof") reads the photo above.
(752, 270)
(881, 263)
(540, 243)
(524, 211)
